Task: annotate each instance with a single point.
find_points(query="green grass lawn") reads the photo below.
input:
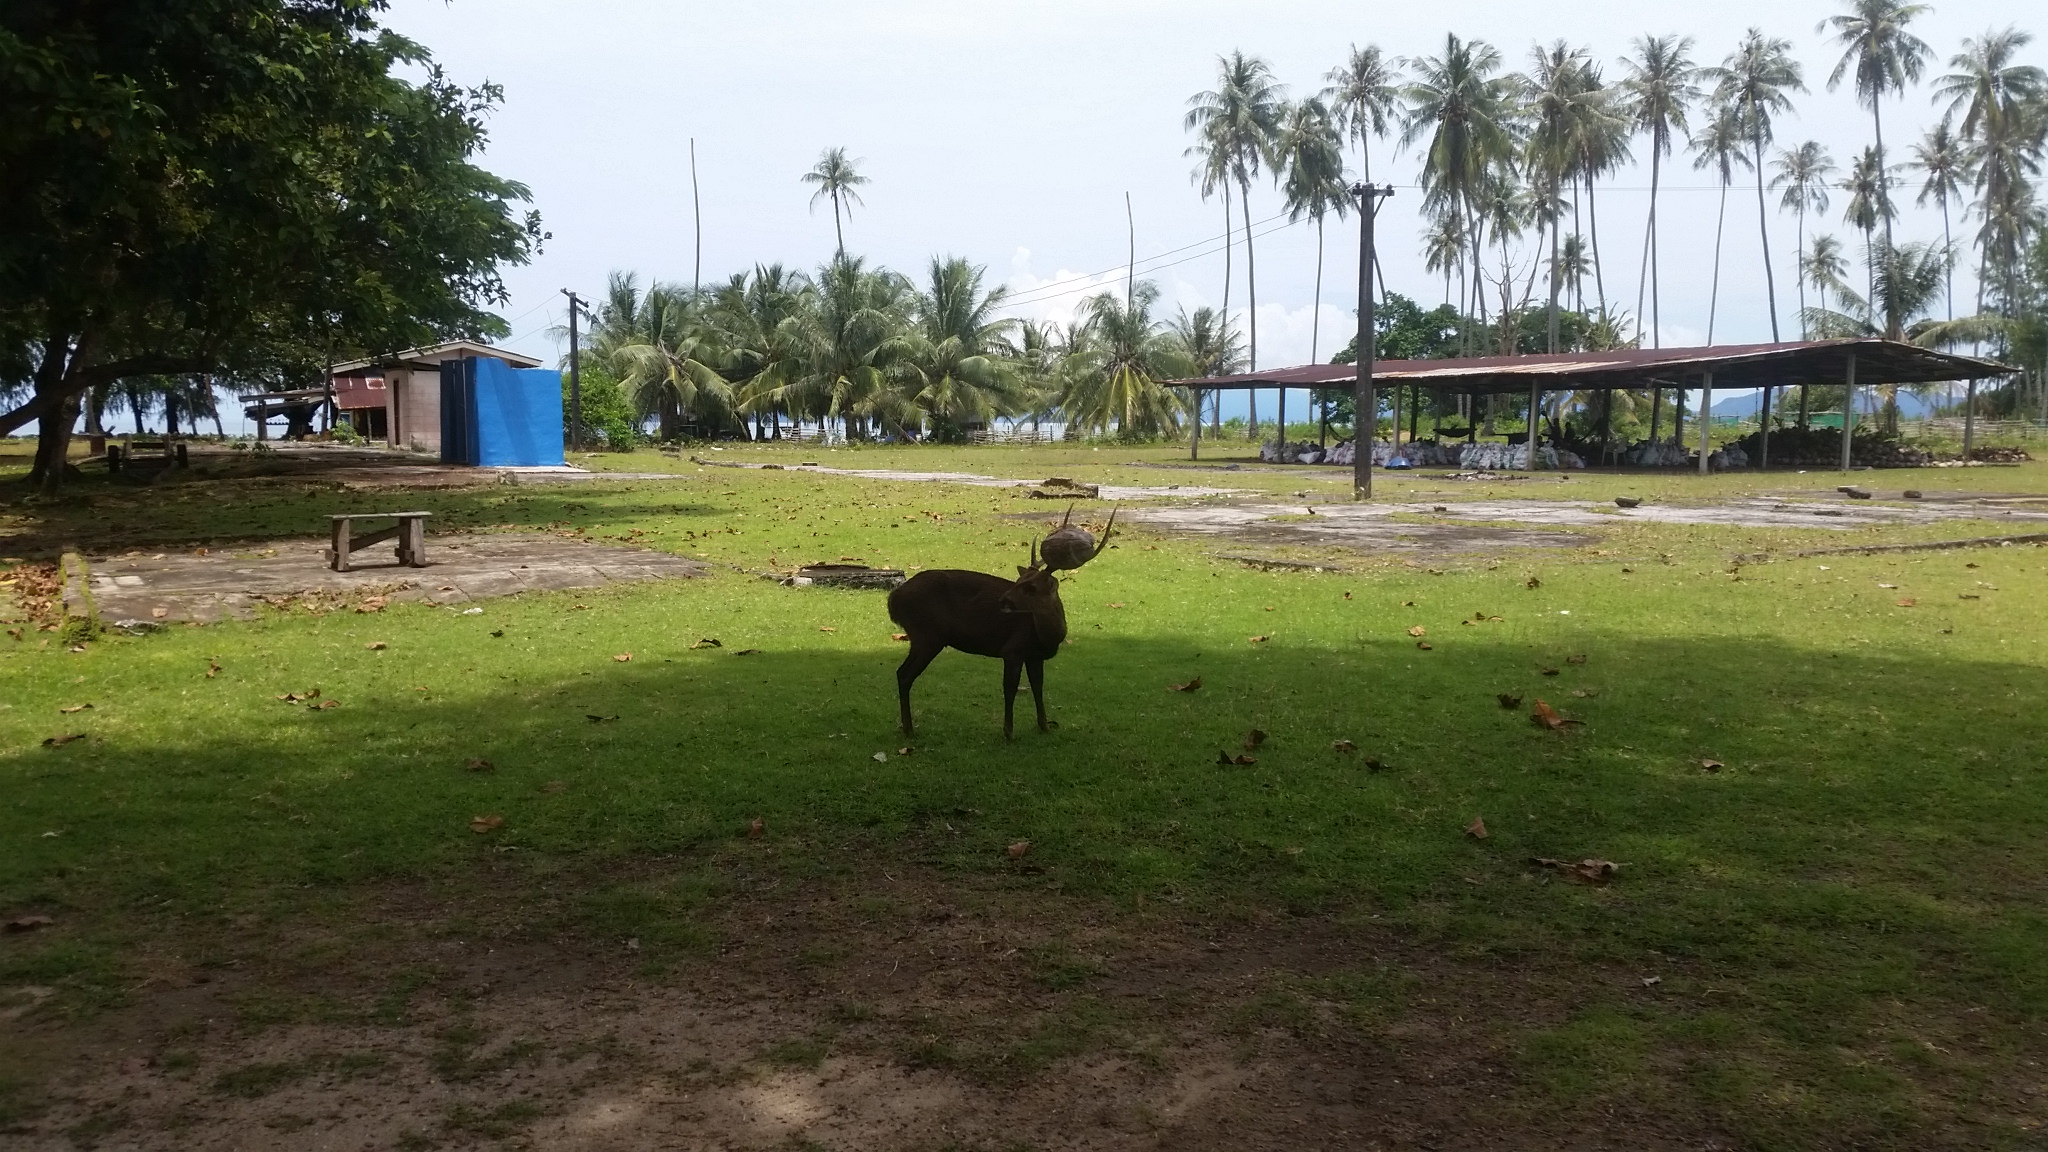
(1845, 920)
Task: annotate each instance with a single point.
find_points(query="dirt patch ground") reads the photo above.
(1475, 525)
(892, 1012)
(216, 583)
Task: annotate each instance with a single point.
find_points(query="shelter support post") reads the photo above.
(1535, 418)
(1195, 440)
(1763, 451)
(1706, 421)
(1848, 407)
(1969, 417)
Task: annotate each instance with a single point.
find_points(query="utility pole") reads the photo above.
(575, 376)
(1364, 400)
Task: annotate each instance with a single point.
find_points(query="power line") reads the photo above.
(1084, 283)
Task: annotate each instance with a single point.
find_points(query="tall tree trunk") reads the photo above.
(1556, 272)
(838, 232)
(1799, 274)
(1884, 194)
(1714, 296)
(1656, 305)
(1593, 225)
(1764, 230)
(1251, 292)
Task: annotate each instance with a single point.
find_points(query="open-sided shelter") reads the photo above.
(1852, 362)
(397, 398)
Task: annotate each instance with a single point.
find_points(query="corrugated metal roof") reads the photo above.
(1733, 366)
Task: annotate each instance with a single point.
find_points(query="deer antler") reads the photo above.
(1106, 529)
(1069, 516)
(1034, 551)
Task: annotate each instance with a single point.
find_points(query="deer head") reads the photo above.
(1072, 545)
(1037, 589)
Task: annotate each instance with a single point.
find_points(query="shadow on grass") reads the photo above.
(1870, 839)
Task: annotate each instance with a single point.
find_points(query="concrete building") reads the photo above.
(397, 398)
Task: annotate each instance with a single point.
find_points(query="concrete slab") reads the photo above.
(1106, 491)
(1366, 527)
(231, 583)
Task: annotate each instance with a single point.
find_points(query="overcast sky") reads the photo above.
(1009, 133)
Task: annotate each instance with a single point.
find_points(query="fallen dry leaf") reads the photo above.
(1347, 595)
(905, 751)
(1509, 700)
(594, 718)
(1477, 828)
(1374, 764)
(482, 824)
(296, 697)
(1547, 671)
(827, 628)
(324, 705)
(899, 637)
(1908, 602)
(1116, 605)
(1226, 760)
(748, 652)
(1881, 584)
(1191, 686)
(1424, 645)
(28, 923)
(60, 741)
(1254, 738)
(707, 642)
(880, 757)
(1968, 596)
(74, 708)
(1418, 630)
(755, 827)
(1590, 871)
(1343, 746)
(1579, 659)
(1018, 849)
(1534, 582)
(212, 669)
(159, 613)
(1261, 639)
(1546, 717)
(479, 764)
(373, 604)
(376, 645)
(1585, 693)
(624, 657)
(1407, 603)
(1712, 765)
(554, 786)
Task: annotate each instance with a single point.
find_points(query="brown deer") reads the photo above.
(1020, 622)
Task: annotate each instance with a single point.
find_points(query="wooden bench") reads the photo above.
(410, 532)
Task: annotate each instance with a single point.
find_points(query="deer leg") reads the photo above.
(1010, 669)
(1036, 670)
(907, 673)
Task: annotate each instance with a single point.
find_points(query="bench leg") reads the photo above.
(412, 543)
(340, 546)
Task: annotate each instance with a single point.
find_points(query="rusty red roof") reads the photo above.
(1733, 365)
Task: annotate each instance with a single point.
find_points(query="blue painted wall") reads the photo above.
(495, 415)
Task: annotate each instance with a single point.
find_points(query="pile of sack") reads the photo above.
(1657, 454)
(1487, 456)
(1301, 452)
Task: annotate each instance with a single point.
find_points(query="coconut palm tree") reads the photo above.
(1906, 283)
(1553, 91)
(1867, 207)
(958, 365)
(1465, 110)
(854, 339)
(1309, 161)
(1443, 250)
(1661, 88)
(1756, 82)
(1239, 118)
(1946, 163)
(664, 354)
(1719, 146)
(1212, 175)
(836, 178)
(1120, 366)
(2002, 103)
(1601, 132)
(1803, 175)
(1823, 265)
(1363, 97)
(1884, 57)
(759, 320)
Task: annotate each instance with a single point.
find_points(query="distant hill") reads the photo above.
(1745, 404)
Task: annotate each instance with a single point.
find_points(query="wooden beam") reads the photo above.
(1848, 407)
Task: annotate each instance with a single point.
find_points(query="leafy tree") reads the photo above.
(959, 367)
(1720, 147)
(2004, 105)
(1239, 120)
(1946, 164)
(232, 187)
(1363, 96)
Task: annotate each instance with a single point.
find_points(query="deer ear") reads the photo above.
(1022, 572)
